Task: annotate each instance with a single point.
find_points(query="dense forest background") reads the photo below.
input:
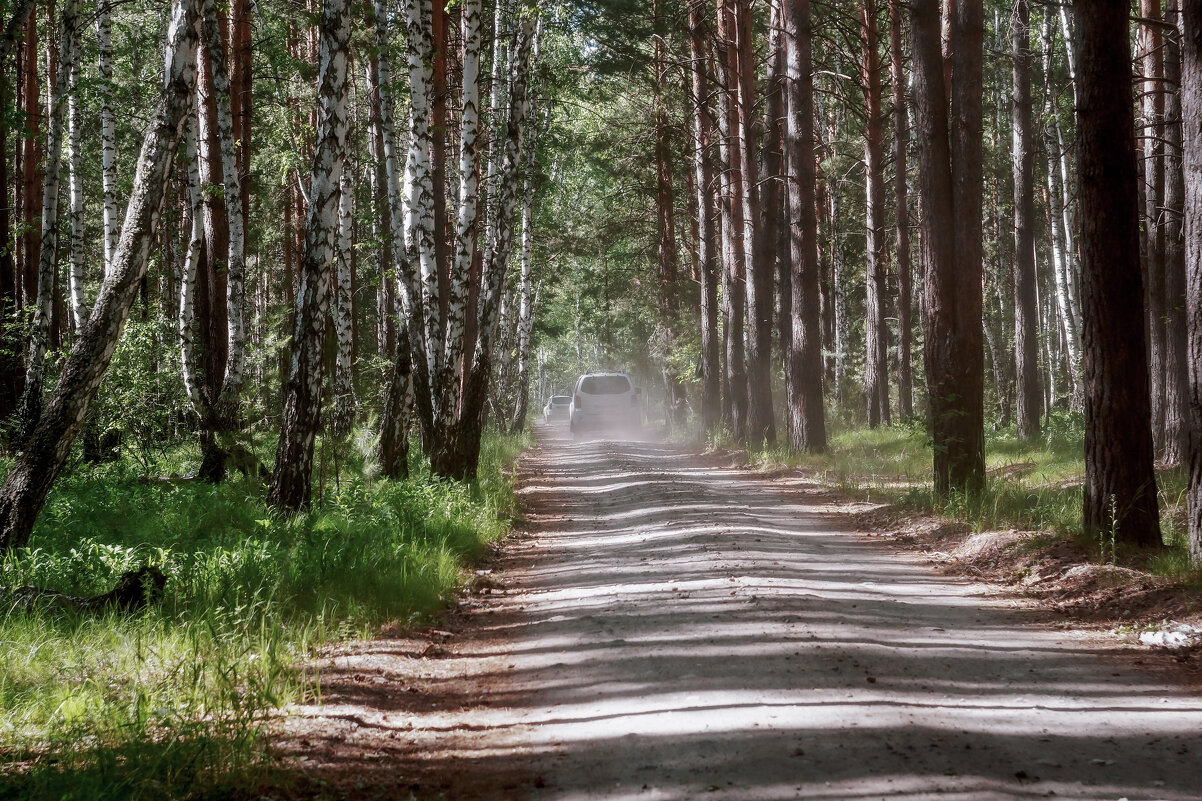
(280, 274)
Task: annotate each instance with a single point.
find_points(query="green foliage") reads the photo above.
(168, 702)
(1031, 486)
(142, 395)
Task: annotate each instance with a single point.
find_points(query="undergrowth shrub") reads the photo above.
(171, 702)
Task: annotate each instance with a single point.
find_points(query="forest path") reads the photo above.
(674, 629)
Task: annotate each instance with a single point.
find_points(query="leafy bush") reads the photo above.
(167, 702)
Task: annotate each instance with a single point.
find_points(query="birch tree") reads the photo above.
(79, 307)
(32, 475)
(465, 228)
(290, 488)
(496, 258)
(343, 385)
(411, 367)
(419, 183)
(108, 129)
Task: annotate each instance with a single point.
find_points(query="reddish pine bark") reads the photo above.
(1120, 485)
(808, 423)
(950, 184)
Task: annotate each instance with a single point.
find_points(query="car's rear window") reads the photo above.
(560, 400)
(605, 385)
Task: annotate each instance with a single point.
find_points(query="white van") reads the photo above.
(605, 402)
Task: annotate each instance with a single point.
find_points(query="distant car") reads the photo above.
(559, 407)
(605, 402)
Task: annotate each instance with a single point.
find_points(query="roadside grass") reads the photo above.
(172, 702)
(1033, 486)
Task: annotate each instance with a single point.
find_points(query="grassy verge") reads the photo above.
(171, 703)
(1032, 486)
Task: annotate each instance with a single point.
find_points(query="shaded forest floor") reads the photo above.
(1022, 534)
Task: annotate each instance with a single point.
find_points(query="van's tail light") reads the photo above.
(634, 399)
(579, 403)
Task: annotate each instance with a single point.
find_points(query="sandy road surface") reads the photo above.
(676, 630)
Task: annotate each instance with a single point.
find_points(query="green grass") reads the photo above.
(1031, 485)
(170, 703)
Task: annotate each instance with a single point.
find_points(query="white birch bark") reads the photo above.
(79, 306)
(525, 321)
(408, 282)
(447, 382)
(232, 195)
(496, 260)
(33, 473)
(108, 130)
(498, 89)
(187, 285)
(419, 178)
(1069, 51)
(39, 340)
(1063, 258)
(343, 384)
(302, 403)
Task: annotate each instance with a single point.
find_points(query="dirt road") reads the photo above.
(676, 630)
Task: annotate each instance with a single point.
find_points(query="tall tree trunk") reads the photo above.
(1152, 135)
(39, 340)
(707, 261)
(760, 270)
(32, 475)
(808, 428)
(344, 323)
(901, 138)
(79, 306)
(231, 381)
(449, 382)
(438, 152)
(665, 219)
(189, 364)
(526, 304)
(419, 186)
(415, 376)
(1176, 345)
(1191, 108)
(949, 147)
(108, 130)
(1120, 484)
(496, 260)
(1026, 313)
(241, 95)
(381, 222)
(774, 234)
(734, 284)
(290, 488)
(876, 361)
